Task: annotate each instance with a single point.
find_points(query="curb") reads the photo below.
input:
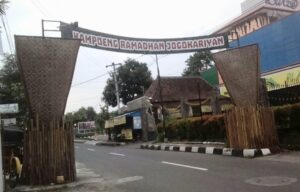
(246, 153)
(100, 143)
(110, 144)
(79, 141)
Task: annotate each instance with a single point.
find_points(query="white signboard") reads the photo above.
(10, 121)
(137, 122)
(9, 108)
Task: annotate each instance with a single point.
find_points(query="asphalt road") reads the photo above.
(131, 169)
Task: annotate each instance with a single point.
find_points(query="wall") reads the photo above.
(279, 43)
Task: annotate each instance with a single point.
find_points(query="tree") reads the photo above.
(90, 114)
(197, 63)
(83, 114)
(101, 118)
(133, 78)
(11, 89)
(3, 4)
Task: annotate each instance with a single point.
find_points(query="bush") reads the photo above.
(195, 129)
(288, 124)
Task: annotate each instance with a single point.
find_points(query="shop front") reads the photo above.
(126, 127)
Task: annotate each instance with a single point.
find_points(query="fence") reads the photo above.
(251, 128)
(48, 153)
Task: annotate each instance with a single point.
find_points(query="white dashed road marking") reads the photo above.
(186, 166)
(129, 179)
(117, 154)
(89, 149)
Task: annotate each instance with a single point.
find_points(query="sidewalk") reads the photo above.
(287, 157)
(87, 180)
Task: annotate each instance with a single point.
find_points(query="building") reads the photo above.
(136, 123)
(181, 96)
(274, 26)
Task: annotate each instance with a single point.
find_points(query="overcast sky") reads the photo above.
(133, 18)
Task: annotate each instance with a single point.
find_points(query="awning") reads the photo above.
(120, 120)
(109, 124)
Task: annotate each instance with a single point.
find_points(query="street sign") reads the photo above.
(9, 108)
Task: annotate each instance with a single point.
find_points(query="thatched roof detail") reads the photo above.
(179, 88)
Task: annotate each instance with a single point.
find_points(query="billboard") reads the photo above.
(284, 78)
(110, 42)
(87, 125)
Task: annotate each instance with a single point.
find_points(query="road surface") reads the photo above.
(128, 168)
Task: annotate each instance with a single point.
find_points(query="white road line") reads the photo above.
(186, 166)
(129, 179)
(89, 149)
(76, 147)
(117, 154)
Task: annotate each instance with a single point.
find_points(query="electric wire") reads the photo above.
(39, 8)
(9, 31)
(7, 35)
(89, 80)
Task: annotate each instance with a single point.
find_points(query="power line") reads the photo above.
(43, 8)
(9, 31)
(97, 77)
(39, 8)
(7, 35)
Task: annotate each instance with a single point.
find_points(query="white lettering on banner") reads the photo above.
(169, 45)
(98, 41)
(195, 44)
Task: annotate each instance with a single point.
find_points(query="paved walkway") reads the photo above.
(288, 157)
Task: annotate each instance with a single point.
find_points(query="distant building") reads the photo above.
(274, 26)
(177, 92)
(134, 124)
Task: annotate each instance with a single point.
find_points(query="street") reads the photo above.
(128, 168)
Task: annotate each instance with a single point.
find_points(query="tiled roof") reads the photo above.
(177, 88)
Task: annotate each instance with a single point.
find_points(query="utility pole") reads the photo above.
(161, 99)
(116, 84)
(1, 156)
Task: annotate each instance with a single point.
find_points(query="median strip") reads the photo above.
(247, 153)
(186, 166)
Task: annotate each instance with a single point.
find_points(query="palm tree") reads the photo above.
(3, 6)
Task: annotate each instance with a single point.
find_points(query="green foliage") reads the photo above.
(197, 63)
(109, 93)
(12, 90)
(133, 78)
(83, 114)
(3, 6)
(288, 122)
(209, 128)
(89, 114)
(101, 118)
